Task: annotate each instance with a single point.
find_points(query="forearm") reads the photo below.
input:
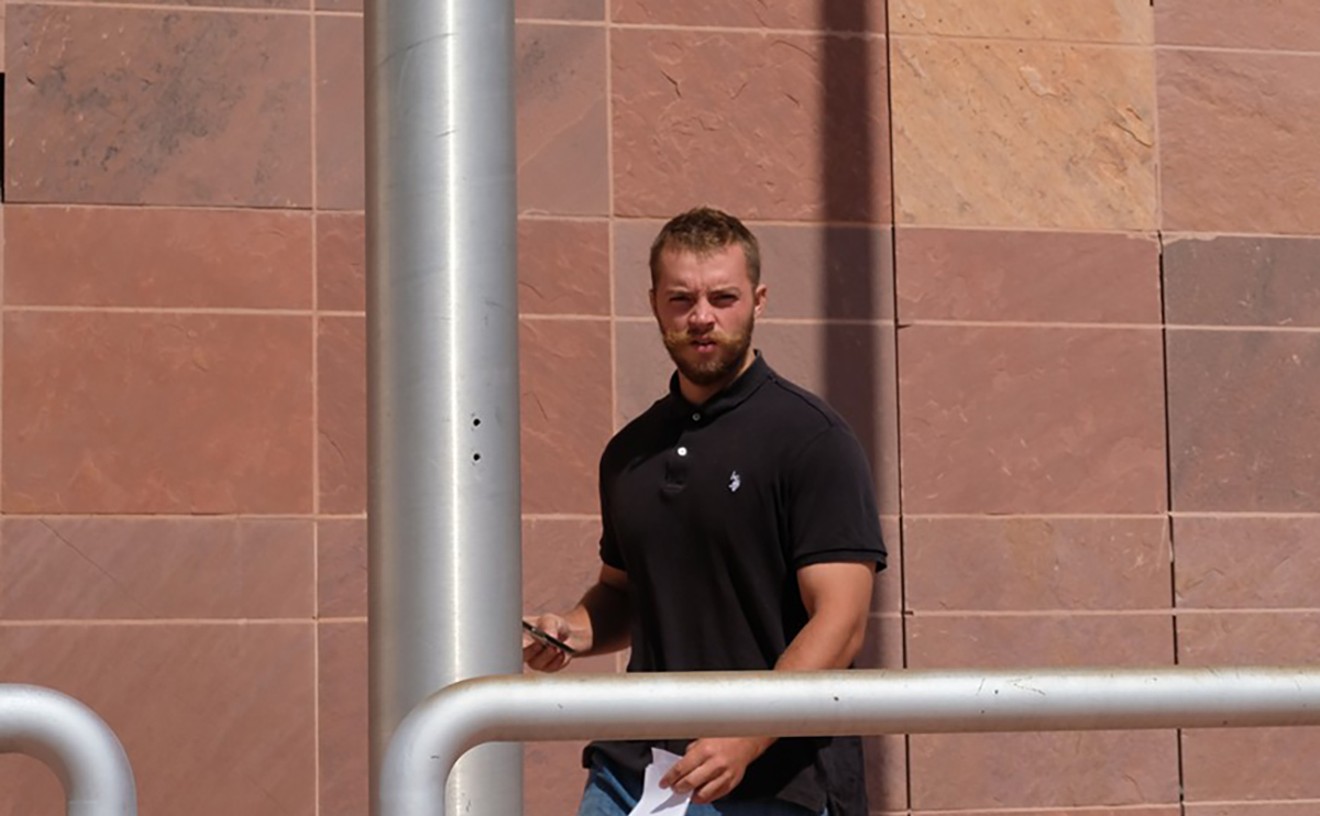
(828, 641)
(601, 621)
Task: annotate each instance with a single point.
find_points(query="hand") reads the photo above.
(540, 656)
(712, 768)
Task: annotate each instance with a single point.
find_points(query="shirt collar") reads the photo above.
(732, 396)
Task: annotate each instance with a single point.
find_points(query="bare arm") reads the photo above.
(598, 624)
(837, 597)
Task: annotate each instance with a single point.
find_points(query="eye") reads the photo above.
(680, 299)
(724, 299)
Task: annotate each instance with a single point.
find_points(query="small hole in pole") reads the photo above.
(476, 421)
(476, 457)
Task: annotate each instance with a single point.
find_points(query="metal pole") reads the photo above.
(444, 524)
(75, 743)
(821, 703)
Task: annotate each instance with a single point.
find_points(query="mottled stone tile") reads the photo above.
(811, 271)
(561, 559)
(1154, 810)
(563, 132)
(341, 262)
(341, 152)
(341, 398)
(1046, 773)
(1242, 281)
(1278, 25)
(341, 572)
(183, 109)
(216, 719)
(1032, 420)
(783, 126)
(1058, 640)
(812, 15)
(642, 369)
(1247, 562)
(886, 773)
(1229, 149)
(883, 646)
(94, 568)
(994, 133)
(563, 267)
(565, 407)
(1048, 277)
(1008, 564)
(1107, 21)
(157, 413)
(1249, 763)
(342, 714)
(553, 777)
(1243, 407)
(339, 5)
(560, 9)
(1250, 809)
(887, 594)
(220, 4)
(93, 256)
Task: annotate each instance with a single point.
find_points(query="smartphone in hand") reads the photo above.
(548, 639)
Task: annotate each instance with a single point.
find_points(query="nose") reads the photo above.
(702, 316)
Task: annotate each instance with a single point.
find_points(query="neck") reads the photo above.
(698, 394)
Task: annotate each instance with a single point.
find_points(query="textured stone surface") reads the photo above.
(560, 561)
(560, 9)
(1241, 281)
(216, 719)
(1228, 141)
(341, 433)
(341, 262)
(886, 773)
(812, 271)
(238, 4)
(92, 256)
(1116, 21)
(341, 568)
(887, 595)
(1247, 562)
(563, 267)
(342, 717)
(1250, 809)
(1243, 407)
(188, 109)
(563, 153)
(825, 15)
(992, 133)
(133, 413)
(1279, 24)
(340, 131)
(1049, 277)
(1032, 420)
(781, 126)
(1251, 763)
(553, 777)
(564, 429)
(155, 568)
(883, 646)
(1048, 773)
(1043, 640)
(1026, 563)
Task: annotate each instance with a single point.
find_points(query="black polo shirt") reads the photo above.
(711, 510)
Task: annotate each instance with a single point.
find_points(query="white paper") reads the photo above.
(658, 801)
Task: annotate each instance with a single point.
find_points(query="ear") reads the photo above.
(759, 297)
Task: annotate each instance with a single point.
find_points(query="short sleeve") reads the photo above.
(610, 555)
(831, 503)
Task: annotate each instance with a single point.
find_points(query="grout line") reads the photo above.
(610, 221)
(316, 419)
(173, 8)
(1064, 612)
(700, 29)
(1223, 49)
(12, 623)
(591, 318)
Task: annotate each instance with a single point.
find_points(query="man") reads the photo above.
(740, 531)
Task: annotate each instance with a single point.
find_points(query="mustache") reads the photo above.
(687, 336)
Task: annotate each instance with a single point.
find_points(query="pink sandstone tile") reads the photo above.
(340, 114)
(822, 15)
(342, 718)
(186, 109)
(1228, 147)
(93, 256)
(560, 9)
(341, 574)
(1042, 277)
(1010, 564)
(1242, 281)
(342, 414)
(157, 413)
(565, 409)
(563, 154)
(1032, 420)
(563, 267)
(1254, 563)
(216, 719)
(341, 261)
(94, 568)
(1277, 25)
(734, 120)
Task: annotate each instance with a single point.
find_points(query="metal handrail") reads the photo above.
(440, 729)
(75, 743)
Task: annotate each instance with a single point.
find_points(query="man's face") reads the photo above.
(707, 307)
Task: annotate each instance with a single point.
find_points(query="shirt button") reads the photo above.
(682, 451)
(696, 417)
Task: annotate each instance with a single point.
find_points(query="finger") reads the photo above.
(697, 778)
(714, 789)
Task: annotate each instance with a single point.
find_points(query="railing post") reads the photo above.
(75, 743)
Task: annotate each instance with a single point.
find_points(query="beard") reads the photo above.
(709, 369)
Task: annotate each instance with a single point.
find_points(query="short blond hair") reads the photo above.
(704, 231)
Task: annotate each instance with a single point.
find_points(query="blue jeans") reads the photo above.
(615, 794)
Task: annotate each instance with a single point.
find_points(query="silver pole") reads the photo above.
(75, 743)
(821, 703)
(445, 574)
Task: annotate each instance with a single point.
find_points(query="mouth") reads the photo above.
(704, 345)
